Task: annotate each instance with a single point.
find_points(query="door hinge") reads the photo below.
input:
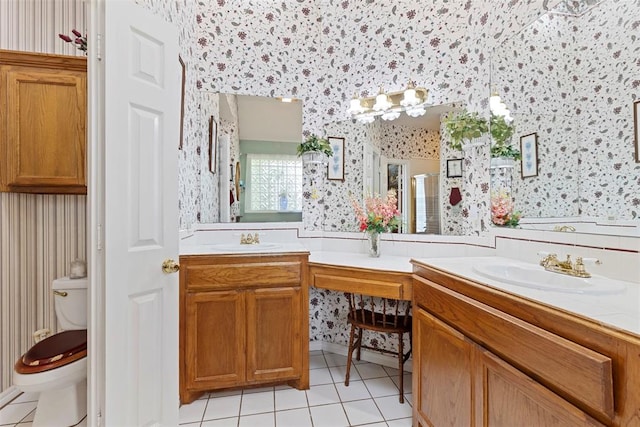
(99, 47)
(99, 237)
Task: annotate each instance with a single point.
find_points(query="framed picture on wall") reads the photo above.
(336, 161)
(184, 80)
(529, 150)
(213, 144)
(454, 168)
(636, 128)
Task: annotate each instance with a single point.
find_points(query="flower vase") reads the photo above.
(373, 244)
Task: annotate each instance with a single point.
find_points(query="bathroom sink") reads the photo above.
(536, 277)
(237, 247)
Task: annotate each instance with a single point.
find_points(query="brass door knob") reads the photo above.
(170, 266)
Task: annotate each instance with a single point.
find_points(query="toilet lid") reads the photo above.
(56, 347)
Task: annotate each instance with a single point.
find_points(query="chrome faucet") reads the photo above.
(550, 262)
(249, 239)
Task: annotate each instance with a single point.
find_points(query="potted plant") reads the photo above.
(502, 152)
(462, 126)
(315, 149)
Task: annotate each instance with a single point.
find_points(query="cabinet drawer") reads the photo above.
(238, 272)
(382, 284)
(579, 374)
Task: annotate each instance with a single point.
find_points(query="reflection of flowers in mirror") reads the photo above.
(502, 212)
(379, 214)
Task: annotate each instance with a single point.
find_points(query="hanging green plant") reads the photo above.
(501, 133)
(315, 143)
(464, 126)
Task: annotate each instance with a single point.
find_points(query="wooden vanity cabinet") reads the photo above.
(243, 322)
(483, 357)
(43, 108)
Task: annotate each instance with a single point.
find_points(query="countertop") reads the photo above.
(400, 264)
(237, 249)
(619, 310)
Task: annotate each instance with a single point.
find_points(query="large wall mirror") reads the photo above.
(259, 168)
(571, 78)
(403, 154)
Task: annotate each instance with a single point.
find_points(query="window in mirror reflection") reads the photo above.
(274, 183)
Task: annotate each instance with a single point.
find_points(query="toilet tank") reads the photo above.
(70, 298)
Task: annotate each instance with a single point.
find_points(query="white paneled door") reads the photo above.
(141, 120)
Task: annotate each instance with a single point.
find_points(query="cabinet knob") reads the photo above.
(170, 266)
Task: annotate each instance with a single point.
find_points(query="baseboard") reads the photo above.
(366, 355)
(8, 395)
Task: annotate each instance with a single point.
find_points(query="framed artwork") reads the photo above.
(529, 150)
(336, 161)
(454, 168)
(184, 80)
(213, 142)
(636, 128)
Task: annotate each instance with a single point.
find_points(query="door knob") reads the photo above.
(170, 266)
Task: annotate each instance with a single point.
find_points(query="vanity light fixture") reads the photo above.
(389, 106)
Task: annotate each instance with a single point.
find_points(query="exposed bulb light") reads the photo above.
(497, 107)
(389, 106)
(390, 115)
(287, 100)
(416, 111)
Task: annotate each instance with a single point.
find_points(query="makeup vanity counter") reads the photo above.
(492, 353)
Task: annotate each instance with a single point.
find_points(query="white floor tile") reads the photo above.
(339, 373)
(408, 397)
(320, 376)
(192, 412)
(26, 397)
(355, 391)
(335, 359)
(223, 393)
(315, 352)
(371, 370)
(257, 390)
(402, 422)
(255, 403)
(15, 412)
(392, 409)
(294, 418)
(261, 420)
(29, 424)
(223, 407)
(290, 399)
(29, 417)
(329, 416)
(379, 387)
(225, 422)
(407, 382)
(362, 412)
(317, 361)
(322, 395)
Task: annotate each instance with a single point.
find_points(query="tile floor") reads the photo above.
(370, 400)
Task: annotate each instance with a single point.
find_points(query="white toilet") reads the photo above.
(56, 367)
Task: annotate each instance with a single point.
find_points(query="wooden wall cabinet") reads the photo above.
(487, 358)
(43, 108)
(244, 321)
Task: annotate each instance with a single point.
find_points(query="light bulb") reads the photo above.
(410, 99)
(494, 102)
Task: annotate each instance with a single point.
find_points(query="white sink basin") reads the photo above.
(536, 277)
(237, 247)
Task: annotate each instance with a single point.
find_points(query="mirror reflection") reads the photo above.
(403, 154)
(570, 79)
(258, 146)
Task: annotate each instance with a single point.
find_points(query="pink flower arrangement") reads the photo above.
(502, 210)
(379, 214)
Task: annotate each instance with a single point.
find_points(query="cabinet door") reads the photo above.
(44, 129)
(274, 348)
(508, 398)
(215, 340)
(443, 373)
